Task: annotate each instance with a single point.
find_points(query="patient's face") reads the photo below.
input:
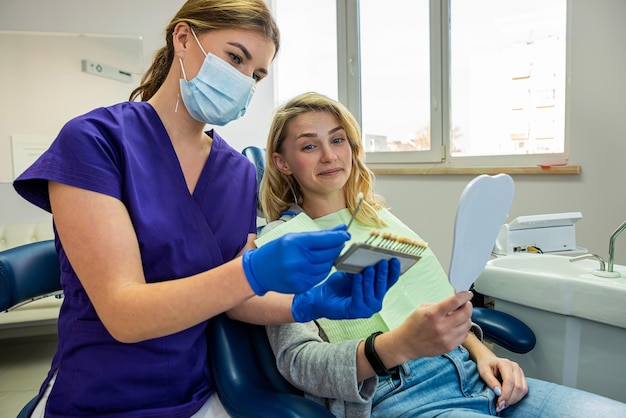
(317, 153)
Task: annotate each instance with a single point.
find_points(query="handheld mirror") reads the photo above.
(483, 208)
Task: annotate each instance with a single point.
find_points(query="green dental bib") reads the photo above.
(425, 282)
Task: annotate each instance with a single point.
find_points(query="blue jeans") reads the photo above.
(449, 386)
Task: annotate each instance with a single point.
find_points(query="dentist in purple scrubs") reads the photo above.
(155, 220)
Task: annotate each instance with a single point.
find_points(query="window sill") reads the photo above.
(389, 170)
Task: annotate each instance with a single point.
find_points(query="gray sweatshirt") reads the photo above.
(316, 366)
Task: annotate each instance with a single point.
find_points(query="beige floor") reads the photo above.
(24, 363)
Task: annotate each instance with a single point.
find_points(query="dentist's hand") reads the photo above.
(347, 296)
(294, 263)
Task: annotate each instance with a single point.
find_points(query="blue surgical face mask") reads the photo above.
(219, 93)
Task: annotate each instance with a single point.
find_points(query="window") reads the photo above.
(307, 59)
(468, 82)
(395, 51)
(395, 81)
(507, 77)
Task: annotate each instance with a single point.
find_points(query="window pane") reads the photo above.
(507, 77)
(395, 80)
(307, 60)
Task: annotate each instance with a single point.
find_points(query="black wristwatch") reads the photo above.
(374, 360)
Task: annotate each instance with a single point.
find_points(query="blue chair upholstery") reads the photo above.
(257, 156)
(504, 330)
(26, 410)
(247, 380)
(28, 272)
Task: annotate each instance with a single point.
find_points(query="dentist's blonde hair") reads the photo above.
(278, 191)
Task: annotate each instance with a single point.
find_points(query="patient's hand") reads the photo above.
(504, 373)
(434, 329)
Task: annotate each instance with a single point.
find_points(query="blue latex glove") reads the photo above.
(346, 295)
(294, 262)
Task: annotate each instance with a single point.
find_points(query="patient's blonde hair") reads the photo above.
(204, 16)
(278, 191)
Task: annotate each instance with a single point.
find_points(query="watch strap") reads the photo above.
(374, 360)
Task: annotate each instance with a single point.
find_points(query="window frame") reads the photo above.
(439, 155)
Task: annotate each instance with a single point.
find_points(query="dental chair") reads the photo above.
(244, 368)
(27, 273)
(247, 380)
(249, 384)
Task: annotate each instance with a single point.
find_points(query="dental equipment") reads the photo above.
(356, 210)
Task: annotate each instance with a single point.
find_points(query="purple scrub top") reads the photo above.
(125, 152)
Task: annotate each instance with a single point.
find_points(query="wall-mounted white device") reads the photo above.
(107, 71)
(552, 232)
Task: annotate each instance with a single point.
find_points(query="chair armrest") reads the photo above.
(26, 410)
(267, 404)
(28, 272)
(505, 330)
(246, 377)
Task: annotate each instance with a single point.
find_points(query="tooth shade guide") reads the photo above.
(372, 237)
(381, 246)
(395, 242)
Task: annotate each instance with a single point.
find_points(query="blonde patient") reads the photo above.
(416, 357)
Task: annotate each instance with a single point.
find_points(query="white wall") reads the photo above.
(50, 67)
(135, 18)
(597, 126)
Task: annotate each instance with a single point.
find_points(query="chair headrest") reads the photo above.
(257, 156)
